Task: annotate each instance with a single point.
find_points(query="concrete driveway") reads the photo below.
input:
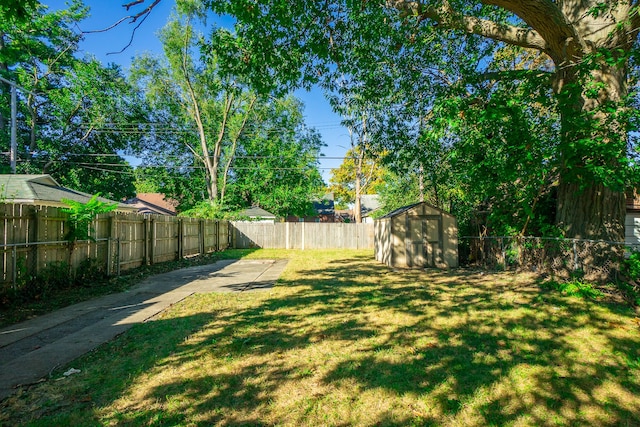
(29, 351)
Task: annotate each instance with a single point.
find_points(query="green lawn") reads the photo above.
(344, 340)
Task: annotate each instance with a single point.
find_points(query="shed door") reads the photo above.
(426, 241)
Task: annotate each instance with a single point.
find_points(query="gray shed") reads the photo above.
(418, 236)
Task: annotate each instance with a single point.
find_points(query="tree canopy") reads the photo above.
(67, 104)
(216, 139)
(580, 55)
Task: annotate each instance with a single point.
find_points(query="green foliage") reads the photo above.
(90, 272)
(631, 266)
(81, 215)
(520, 127)
(54, 277)
(17, 10)
(222, 142)
(343, 179)
(71, 125)
(208, 210)
(574, 287)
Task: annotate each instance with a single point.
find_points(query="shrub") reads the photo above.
(575, 287)
(55, 276)
(89, 272)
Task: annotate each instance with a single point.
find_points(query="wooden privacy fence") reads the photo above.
(34, 238)
(302, 235)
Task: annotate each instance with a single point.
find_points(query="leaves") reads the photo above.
(81, 215)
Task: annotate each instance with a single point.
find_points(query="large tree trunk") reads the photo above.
(591, 201)
(593, 212)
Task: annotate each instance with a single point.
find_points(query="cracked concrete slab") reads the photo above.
(30, 350)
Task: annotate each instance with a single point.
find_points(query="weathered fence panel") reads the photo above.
(33, 238)
(301, 235)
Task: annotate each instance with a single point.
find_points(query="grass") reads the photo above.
(344, 340)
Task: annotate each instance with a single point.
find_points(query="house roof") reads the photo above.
(43, 190)
(324, 207)
(158, 199)
(152, 203)
(369, 203)
(257, 212)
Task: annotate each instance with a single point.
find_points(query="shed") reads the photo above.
(417, 236)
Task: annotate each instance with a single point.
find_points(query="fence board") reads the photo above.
(300, 235)
(34, 237)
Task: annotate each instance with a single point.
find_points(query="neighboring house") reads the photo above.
(344, 215)
(153, 203)
(632, 220)
(43, 190)
(258, 214)
(369, 203)
(323, 209)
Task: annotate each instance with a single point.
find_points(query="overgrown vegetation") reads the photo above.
(344, 340)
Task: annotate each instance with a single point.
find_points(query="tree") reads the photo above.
(67, 116)
(276, 163)
(360, 173)
(589, 47)
(17, 10)
(587, 52)
(189, 93)
(213, 134)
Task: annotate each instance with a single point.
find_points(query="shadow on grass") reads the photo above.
(470, 345)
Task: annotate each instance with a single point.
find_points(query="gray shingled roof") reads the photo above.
(256, 212)
(369, 203)
(43, 190)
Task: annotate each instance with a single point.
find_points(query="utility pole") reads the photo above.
(13, 151)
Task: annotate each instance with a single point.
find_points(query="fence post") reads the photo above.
(36, 235)
(216, 230)
(201, 237)
(286, 234)
(180, 236)
(575, 254)
(145, 231)
(112, 235)
(152, 239)
(14, 273)
(118, 256)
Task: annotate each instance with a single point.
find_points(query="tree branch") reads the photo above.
(446, 16)
(146, 11)
(508, 74)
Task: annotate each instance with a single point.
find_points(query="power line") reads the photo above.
(318, 158)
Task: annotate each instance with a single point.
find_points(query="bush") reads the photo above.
(54, 277)
(575, 287)
(631, 266)
(89, 272)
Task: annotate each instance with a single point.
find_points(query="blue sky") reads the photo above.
(105, 13)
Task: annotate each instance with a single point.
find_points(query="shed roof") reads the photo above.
(404, 209)
(43, 190)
